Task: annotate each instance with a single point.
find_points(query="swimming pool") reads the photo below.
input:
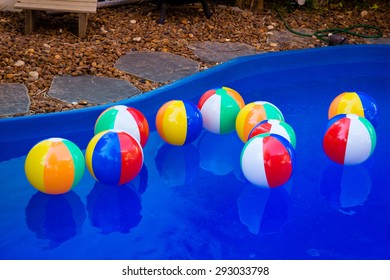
(192, 202)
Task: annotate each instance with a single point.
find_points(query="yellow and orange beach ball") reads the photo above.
(54, 166)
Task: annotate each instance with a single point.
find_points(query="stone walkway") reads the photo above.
(14, 98)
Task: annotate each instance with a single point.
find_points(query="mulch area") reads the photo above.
(55, 49)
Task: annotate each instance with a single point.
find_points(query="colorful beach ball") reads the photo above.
(275, 127)
(253, 113)
(349, 139)
(357, 103)
(114, 157)
(219, 108)
(179, 122)
(121, 117)
(54, 166)
(267, 160)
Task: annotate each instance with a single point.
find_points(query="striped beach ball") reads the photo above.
(114, 157)
(219, 108)
(349, 139)
(179, 122)
(253, 113)
(267, 160)
(358, 103)
(275, 127)
(121, 117)
(54, 166)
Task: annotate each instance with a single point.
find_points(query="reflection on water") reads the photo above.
(263, 210)
(141, 181)
(114, 208)
(55, 217)
(220, 154)
(177, 165)
(345, 186)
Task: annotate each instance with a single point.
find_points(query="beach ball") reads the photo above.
(54, 166)
(219, 108)
(253, 113)
(275, 127)
(179, 122)
(349, 139)
(124, 118)
(267, 160)
(357, 103)
(114, 157)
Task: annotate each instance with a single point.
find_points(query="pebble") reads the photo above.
(270, 27)
(34, 75)
(19, 63)
(132, 21)
(137, 39)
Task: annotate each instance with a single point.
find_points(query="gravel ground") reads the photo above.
(55, 49)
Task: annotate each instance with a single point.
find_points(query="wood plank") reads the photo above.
(29, 22)
(63, 6)
(20, 2)
(83, 22)
(73, 8)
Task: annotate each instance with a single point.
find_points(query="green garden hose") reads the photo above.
(323, 34)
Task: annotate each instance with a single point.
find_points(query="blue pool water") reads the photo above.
(193, 202)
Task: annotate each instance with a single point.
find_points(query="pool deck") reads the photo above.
(15, 101)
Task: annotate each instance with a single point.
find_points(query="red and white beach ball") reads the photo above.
(349, 139)
(219, 108)
(128, 119)
(275, 127)
(267, 160)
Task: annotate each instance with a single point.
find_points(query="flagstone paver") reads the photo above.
(93, 89)
(215, 52)
(384, 41)
(286, 37)
(14, 99)
(157, 66)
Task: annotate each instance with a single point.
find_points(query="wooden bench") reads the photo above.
(32, 8)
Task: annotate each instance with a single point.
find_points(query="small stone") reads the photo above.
(269, 33)
(30, 50)
(34, 75)
(236, 9)
(270, 27)
(133, 21)
(57, 56)
(137, 39)
(364, 13)
(47, 46)
(103, 30)
(19, 63)
(9, 76)
(273, 45)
